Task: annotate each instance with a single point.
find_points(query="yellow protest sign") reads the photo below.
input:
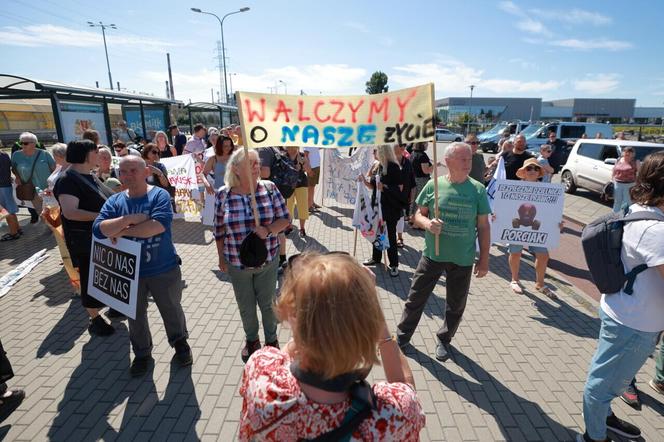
(402, 116)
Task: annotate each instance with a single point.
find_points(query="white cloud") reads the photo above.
(574, 16)
(52, 35)
(524, 23)
(597, 84)
(356, 26)
(585, 45)
(452, 77)
(330, 79)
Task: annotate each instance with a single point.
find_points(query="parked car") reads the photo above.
(489, 139)
(447, 135)
(591, 162)
(536, 135)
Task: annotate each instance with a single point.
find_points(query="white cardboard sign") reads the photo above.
(114, 270)
(527, 213)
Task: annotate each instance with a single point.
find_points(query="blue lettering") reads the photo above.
(289, 132)
(346, 133)
(366, 134)
(309, 132)
(328, 135)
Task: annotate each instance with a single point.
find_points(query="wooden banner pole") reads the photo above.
(435, 169)
(355, 243)
(323, 163)
(247, 168)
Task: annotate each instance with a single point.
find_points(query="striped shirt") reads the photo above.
(234, 219)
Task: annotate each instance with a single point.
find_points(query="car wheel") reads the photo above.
(457, 139)
(568, 182)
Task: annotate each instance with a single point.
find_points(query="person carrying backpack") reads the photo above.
(632, 315)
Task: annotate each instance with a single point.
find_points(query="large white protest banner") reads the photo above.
(114, 270)
(341, 173)
(183, 176)
(527, 213)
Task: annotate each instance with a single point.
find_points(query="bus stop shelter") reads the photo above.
(211, 114)
(77, 108)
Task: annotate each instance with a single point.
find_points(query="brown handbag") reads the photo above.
(26, 191)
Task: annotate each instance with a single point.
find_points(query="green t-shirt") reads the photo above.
(43, 168)
(459, 206)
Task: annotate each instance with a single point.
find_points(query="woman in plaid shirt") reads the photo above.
(234, 220)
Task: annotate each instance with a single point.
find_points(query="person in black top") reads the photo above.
(514, 160)
(389, 182)
(178, 139)
(158, 173)
(165, 149)
(560, 152)
(408, 177)
(81, 198)
(422, 169)
(300, 196)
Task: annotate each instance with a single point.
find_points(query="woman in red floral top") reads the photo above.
(302, 391)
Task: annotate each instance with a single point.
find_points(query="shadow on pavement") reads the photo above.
(333, 221)
(564, 317)
(66, 331)
(35, 237)
(4, 430)
(185, 232)
(101, 383)
(56, 287)
(484, 388)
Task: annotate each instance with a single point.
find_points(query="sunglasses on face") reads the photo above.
(25, 143)
(532, 168)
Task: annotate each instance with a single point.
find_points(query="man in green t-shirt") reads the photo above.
(463, 218)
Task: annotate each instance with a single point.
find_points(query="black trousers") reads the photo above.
(427, 274)
(6, 372)
(391, 218)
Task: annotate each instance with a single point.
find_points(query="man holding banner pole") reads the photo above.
(143, 213)
(464, 210)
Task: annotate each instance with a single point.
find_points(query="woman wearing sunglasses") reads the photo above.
(159, 175)
(531, 172)
(314, 386)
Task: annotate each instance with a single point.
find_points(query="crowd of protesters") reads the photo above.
(335, 338)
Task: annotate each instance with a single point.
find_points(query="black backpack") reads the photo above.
(284, 174)
(602, 244)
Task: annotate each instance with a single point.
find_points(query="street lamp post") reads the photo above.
(103, 33)
(470, 107)
(223, 47)
(285, 86)
(230, 78)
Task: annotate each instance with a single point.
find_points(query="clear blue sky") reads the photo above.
(558, 49)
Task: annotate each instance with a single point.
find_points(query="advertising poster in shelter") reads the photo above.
(402, 116)
(77, 117)
(183, 177)
(114, 270)
(341, 174)
(527, 213)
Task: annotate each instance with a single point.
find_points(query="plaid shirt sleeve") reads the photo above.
(219, 227)
(278, 203)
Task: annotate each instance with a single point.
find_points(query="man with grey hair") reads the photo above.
(143, 213)
(514, 160)
(463, 218)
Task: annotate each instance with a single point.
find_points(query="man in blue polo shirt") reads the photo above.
(143, 213)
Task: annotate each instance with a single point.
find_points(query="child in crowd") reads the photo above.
(543, 161)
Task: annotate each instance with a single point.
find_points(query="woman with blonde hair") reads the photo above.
(389, 181)
(316, 385)
(165, 149)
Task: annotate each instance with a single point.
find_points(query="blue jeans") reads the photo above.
(621, 198)
(621, 352)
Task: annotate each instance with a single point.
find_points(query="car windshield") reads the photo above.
(643, 151)
(495, 129)
(531, 130)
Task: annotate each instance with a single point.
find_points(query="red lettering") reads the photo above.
(282, 109)
(404, 104)
(318, 118)
(374, 108)
(335, 118)
(300, 116)
(354, 110)
(254, 114)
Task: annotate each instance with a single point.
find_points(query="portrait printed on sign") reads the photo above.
(114, 270)
(402, 116)
(527, 213)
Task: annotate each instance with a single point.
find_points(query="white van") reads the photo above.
(590, 163)
(536, 135)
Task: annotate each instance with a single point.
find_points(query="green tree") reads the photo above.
(489, 115)
(377, 84)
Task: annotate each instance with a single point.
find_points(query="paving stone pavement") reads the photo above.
(517, 373)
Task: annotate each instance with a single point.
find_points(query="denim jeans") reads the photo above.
(621, 198)
(621, 352)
